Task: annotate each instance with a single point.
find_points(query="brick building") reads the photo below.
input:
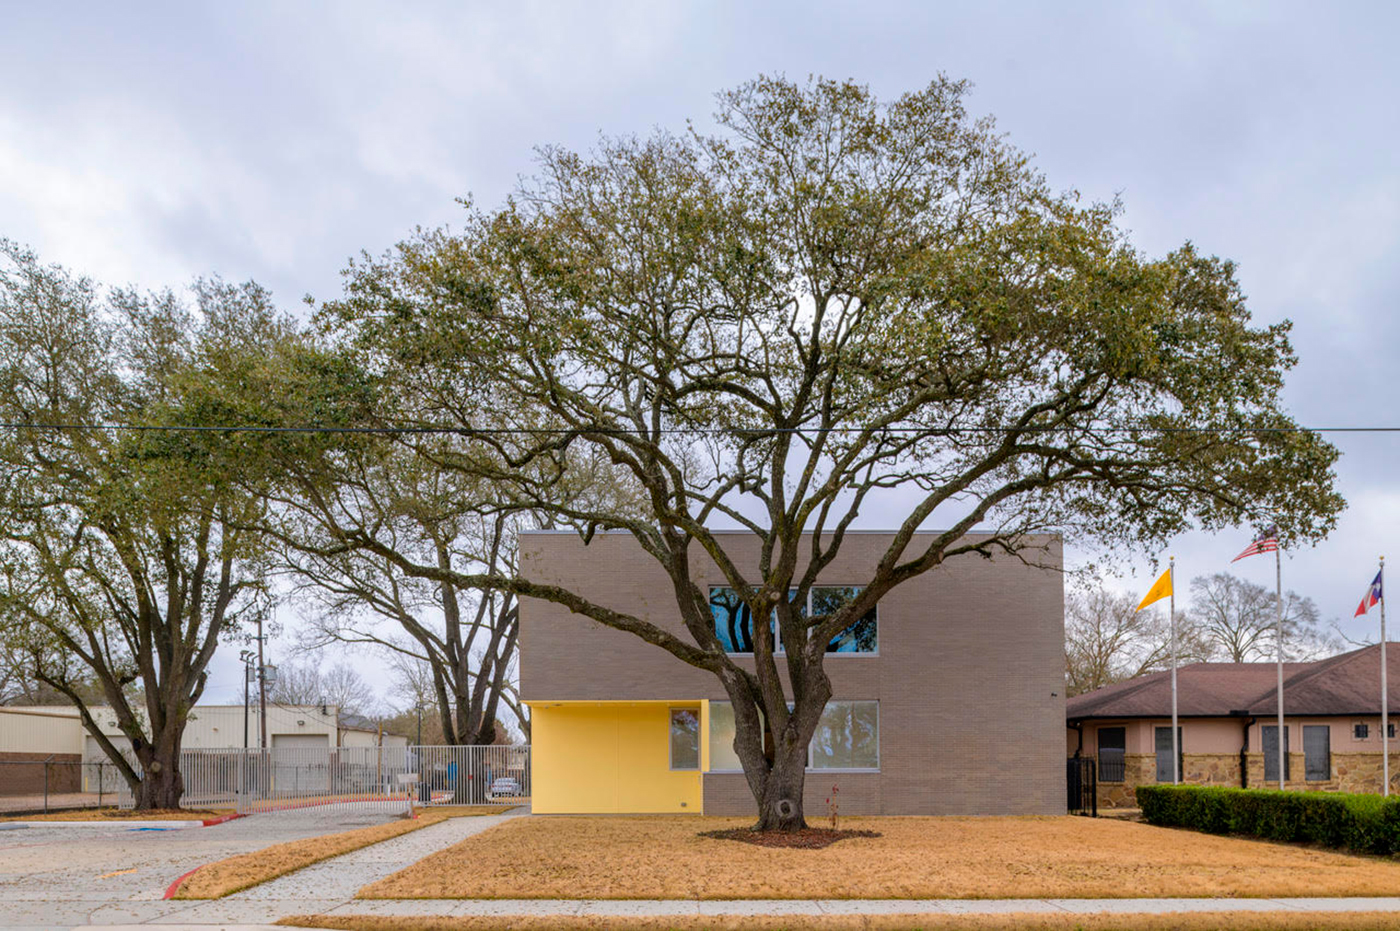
(1228, 717)
(946, 699)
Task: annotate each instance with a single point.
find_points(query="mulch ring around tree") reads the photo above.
(805, 839)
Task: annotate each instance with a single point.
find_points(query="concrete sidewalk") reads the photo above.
(257, 913)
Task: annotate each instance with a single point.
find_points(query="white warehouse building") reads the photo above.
(27, 731)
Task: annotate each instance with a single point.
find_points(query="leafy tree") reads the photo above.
(122, 561)
(832, 300)
(1238, 620)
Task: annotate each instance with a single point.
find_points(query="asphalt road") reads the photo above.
(78, 874)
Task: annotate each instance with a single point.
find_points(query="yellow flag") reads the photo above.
(1159, 590)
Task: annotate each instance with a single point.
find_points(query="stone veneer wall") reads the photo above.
(1351, 772)
(1202, 769)
(1361, 772)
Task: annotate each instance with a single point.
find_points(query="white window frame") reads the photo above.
(778, 649)
(671, 746)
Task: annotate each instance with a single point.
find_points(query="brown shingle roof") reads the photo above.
(1347, 684)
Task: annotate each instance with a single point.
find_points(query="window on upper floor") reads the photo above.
(734, 622)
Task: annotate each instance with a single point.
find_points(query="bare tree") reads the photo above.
(305, 683)
(464, 636)
(1107, 639)
(1238, 620)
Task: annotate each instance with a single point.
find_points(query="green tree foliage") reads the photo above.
(832, 300)
(123, 558)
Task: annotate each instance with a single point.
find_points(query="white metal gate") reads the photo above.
(472, 775)
(391, 778)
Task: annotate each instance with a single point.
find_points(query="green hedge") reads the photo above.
(1368, 823)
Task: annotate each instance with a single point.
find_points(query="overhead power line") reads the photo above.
(407, 430)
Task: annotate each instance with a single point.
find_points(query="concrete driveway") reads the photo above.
(80, 873)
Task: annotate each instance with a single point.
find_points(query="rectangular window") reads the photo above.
(734, 623)
(1163, 746)
(1360, 731)
(860, 637)
(1113, 743)
(1317, 752)
(848, 736)
(1269, 742)
(685, 738)
(1390, 731)
(723, 759)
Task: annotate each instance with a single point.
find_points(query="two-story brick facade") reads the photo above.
(947, 701)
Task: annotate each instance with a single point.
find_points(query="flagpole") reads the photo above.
(1282, 734)
(1176, 750)
(1385, 697)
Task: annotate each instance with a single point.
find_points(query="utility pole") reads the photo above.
(262, 691)
(247, 657)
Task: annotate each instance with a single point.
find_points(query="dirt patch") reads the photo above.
(807, 839)
(125, 814)
(225, 877)
(662, 857)
(1176, 921)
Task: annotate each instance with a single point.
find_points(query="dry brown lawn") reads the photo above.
(225, 877)
(915, 858)
(124, 814)
(1177, 921)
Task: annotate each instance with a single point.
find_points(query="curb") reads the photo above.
(174, 887)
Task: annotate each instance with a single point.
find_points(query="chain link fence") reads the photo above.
(57, 784)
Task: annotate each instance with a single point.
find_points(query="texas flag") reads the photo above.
(1372, 597)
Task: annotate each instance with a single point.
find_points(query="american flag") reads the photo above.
(1266, 542)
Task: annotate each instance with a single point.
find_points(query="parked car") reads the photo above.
(505, 785)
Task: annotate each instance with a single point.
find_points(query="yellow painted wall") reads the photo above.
(608, 757)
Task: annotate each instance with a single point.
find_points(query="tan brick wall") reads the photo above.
(24, 773)
(728, 794)
(969, 674)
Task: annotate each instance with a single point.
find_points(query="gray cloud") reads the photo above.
(153, 143)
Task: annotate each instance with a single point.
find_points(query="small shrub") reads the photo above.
(1366, 823)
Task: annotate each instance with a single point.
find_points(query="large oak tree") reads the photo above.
(123, 561)
(831, 300)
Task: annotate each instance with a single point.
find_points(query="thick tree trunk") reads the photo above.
(161, 786)
(780, 806)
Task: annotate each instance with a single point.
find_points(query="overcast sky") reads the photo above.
(150, 143)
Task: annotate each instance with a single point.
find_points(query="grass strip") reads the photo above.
(1175, 921)
(664, 857)
(124, 814)
(225, 877)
